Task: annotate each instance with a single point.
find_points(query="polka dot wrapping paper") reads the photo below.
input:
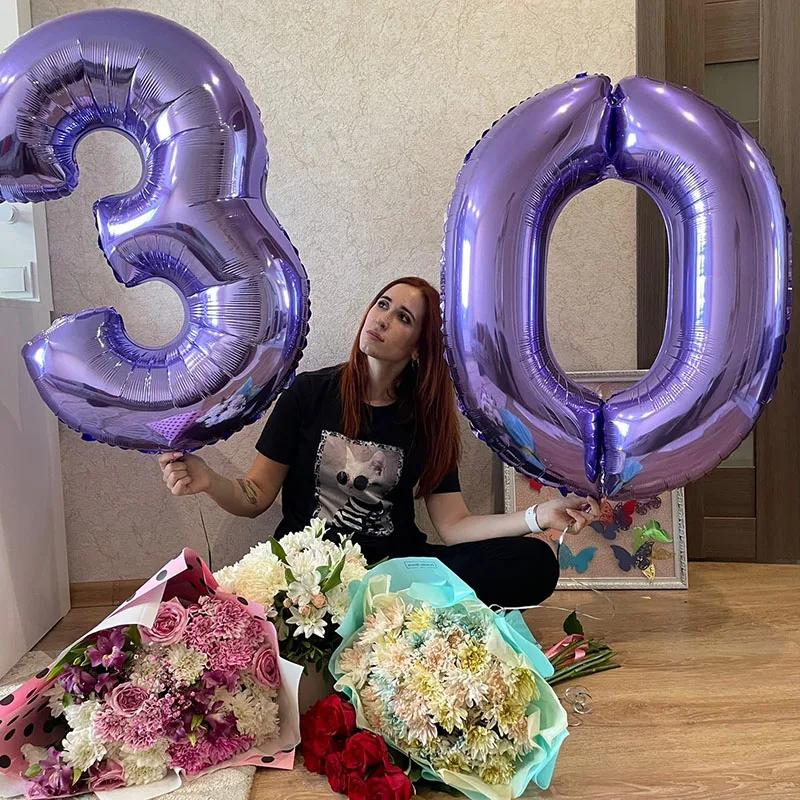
(25, 716)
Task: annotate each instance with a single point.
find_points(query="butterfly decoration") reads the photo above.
(629, 471)
(650, 532)
(661, 554)
(577, 561)
(645, 506)
(644, 551)
(538, 486)
(614, 518)
(640, 558)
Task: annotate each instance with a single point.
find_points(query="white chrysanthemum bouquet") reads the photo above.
(302, 582)
(457, 688)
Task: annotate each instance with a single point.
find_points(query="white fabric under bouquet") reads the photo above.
(302, 583)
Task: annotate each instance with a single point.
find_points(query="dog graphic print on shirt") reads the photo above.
(353, 479)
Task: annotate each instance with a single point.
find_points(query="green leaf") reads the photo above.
(67, 700)
(33, 770)
(192, 737)
(68, 658)
(277, 549)
(197, 721)
(76, 775)
(572, 624)
(135, 636)
(333, 579)
(289, 575)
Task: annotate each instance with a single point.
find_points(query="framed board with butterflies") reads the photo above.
(634, 544)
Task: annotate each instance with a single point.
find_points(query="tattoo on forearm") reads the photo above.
(249, 489)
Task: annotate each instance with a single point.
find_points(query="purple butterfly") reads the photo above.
(640, 559)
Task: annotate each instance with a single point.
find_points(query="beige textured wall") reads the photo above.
(369, 108)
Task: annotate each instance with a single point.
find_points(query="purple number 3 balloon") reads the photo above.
(197, 220)
(729, 286)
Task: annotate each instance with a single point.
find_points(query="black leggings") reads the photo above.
(513, 571)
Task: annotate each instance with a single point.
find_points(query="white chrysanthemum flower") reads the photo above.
(147, 670)
(304, 587)
(80, 716)
(309, 622)
(295, 542)
(55, 697)
(82, 749)
(338, 602)
(355, 663)
(302, 562)
(186, 664)
(226, 578)
(144, 766)
(386, 618)
(255, 709)
(480, 742)
(33, 754)
(355, 566)
(260, 575)
(391, 659)
(465, 688)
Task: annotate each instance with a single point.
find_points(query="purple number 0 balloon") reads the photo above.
(729, 286)
(197, 220)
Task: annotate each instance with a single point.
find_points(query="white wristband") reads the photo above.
(531, 521)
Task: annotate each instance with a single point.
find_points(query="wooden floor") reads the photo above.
(706, 706)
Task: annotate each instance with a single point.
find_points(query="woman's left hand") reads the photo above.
(578, 512)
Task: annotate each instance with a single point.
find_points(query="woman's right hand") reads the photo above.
(184, 473)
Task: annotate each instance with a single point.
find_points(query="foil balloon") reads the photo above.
(197, 220)
(728, 299)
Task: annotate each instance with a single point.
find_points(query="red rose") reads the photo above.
(334, 716)
(389, 783)
(323, 730)
(336, 773)
(356, 787)
(363, 751)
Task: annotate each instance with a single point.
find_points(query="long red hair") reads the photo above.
(431, 389)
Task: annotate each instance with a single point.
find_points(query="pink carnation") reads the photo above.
(150, 724)
(230, 655)
(109, 726)
(222, 619)
(204, 754)
(201, 633)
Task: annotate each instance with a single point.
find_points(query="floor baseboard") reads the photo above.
(102, 593)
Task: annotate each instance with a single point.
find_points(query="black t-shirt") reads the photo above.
(363, 487)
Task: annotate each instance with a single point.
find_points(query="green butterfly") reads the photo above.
(652, 532)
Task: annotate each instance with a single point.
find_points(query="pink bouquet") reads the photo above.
(180, 680)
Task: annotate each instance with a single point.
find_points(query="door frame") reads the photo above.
(670, 43)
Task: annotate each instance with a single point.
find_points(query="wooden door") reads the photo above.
(743, 56)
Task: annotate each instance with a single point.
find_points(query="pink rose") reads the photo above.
(169, 624)
(265, 667)
(106, 776)
(127, 699)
